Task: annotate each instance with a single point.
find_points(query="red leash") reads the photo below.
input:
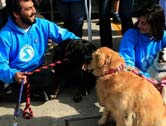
(158, 85)
(27, 112)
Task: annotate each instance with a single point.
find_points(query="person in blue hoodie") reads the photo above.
(139, 45)
(24, 40)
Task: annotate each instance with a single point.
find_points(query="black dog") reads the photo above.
(45, 85)
(74, 54)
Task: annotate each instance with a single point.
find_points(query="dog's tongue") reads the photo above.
(162, 60)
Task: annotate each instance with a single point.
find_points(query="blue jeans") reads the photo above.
(72, 14)
(105, 7)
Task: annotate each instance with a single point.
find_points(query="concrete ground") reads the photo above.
(62, 111)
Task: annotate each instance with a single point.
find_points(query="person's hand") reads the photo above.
(20, 76)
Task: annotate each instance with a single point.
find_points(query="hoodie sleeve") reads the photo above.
(59, 34)
(7, 73)
(127, 47)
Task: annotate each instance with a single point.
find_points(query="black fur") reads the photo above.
(73, 54)
(46, 84)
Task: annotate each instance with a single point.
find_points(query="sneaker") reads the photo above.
(115, 18)
(2, 86)
(39, 96)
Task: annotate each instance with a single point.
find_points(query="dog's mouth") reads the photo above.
(85, 67)
(162, 56)
(161, 61)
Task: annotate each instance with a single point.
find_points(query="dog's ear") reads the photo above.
(99, 59)
(115, 60)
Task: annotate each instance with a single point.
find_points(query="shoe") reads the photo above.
(5, 90)
(1, 87)
(115, 18)
(77, 98)
(39, 96)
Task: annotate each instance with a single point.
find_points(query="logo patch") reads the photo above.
(26, 53)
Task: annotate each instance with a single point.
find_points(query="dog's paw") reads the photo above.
(77, 98)
(101, 121)
(85, 93)
(55, 95)
(163, 93)
(104, 117)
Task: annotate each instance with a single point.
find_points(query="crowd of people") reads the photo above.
(23, 36)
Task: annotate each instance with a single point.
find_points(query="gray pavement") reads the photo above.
(62, 111)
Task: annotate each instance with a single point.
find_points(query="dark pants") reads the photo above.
(105, 7)
(130, 8)
(72, 14)
(1, 86)
(3, 17)
(125, 13)
(39, 82)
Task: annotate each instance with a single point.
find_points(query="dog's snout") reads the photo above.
(162, 55)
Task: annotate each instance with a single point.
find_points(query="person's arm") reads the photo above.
(6, 73)
(127, 47)
(127, 50)
(59, 34)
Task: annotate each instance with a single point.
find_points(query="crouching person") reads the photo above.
(23, 42)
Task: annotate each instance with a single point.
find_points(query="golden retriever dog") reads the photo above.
(130, 99)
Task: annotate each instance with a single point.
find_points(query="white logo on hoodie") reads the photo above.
(26, 53)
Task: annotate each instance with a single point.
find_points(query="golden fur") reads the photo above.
(131, 99)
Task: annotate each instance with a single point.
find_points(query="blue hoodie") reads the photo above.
(23, 51)
(139, 50)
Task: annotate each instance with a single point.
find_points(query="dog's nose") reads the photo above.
(161, 53)
(160, 57)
